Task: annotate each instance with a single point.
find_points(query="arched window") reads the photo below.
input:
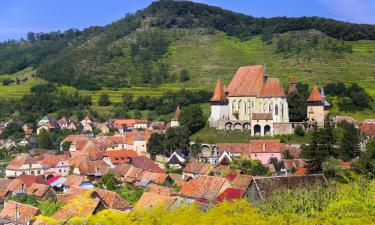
(282, 109)
(270, 108)
(233, 104)
(264, 107)
(244, 105)
(276, 110)
(239, 105)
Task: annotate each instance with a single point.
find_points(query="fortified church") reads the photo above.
(257, 103)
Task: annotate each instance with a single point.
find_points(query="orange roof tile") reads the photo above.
(149, 200)
(219, 94)
(315, 95)
(20, 160)
(54, 159)
(198, 168)
(203, 187)
(26, 213)
(161, 190)
(38, 190)
(301, 171)
(247, 81)
(120, 156)
(368, 129)
(75, 180)
(157, 178)
(176, 114)
(272, 88)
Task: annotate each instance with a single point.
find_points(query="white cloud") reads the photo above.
(359, 11)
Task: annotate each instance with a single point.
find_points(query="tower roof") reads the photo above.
(176, 114)
(219, 94)
(315, 95)
(293, 79)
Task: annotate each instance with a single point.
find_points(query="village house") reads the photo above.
(146, 177)
(194, 169)
(177, 159)
(47, 127)
(64, 122)
(340, 119)
(204, 188)
(28, 130)
(58, 164)
(24, 164)
(46, 120)
(145, 164)
(115, 157)
(76, 180)
(150, 200)
(126, 125)
(102, 127)
(18, 213)
(41, 191)
(87, 120)
(263, 187)
(368, 130)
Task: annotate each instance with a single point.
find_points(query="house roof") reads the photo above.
(149, 200)
(26, 212)
(161, 190)
(272, 88)
(242, 181)
(54, 159)
(219, 94)
(265, 186)
(75, 180)
(176, 114)
(20, 160)
(269, 146)
(28, 180)
(315, 95)
(203, 187)
(122, 168)
(233, 148)
(197, 168)
(368, 128)
(128, 122)
(110, 198)
(230, 194)
(97, 168)
(146, 164)
(38, 190)
(261, 116)
(133, 173)
(120, 156)
(4, 183)
(157, 178)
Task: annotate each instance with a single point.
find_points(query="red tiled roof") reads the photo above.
(260, 146)
(38, 190)
(26, 212)
(161, 190)
(197, 168)
(20, 160)
(128, 122)
(54, 159)
(98, 167)
(272, 88)
(300, 171)
(75, 180)
(219, 95)
(242, 181)
(230, 194)
(261, 116)
(203, 187)
(157, 178)
(149, 200)
(28, 180)
(146, 164)
(346, 164)
(247, 81)
(122, 169)
(315, 95)
(120, 156)
(368, 129)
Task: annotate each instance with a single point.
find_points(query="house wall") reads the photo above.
(174, 123)
(141, 148)
(218, 112)
(265, 157)
(140, 126)
(283, 128)
(317, 116)
(34, 169)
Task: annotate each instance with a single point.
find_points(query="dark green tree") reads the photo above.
(12, 131)
(109, 181)
(297, 107)
(196, 148)
(177, 138)
(192, 118)
(366, 162)
(45, 140)
(104, 100)
(184, 75)
(349, 145)
(155, 144)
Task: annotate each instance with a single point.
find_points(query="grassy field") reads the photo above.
(211, 56)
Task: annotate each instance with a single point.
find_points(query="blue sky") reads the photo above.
(17, 17)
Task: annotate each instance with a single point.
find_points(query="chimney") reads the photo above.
(265, 75)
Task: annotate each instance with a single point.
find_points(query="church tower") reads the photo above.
(293, 85)
(219, 105)
(317, 108)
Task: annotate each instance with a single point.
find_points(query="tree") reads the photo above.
(321, 146)
(104, 100)
(184, 75)
(192, 118)
(138, 114)
(45, 140)
(349, 145)
(366, 162)
(66, 145)
(297, 107)
(299, 131)
(109, 181)
(177, 138)
(250, 167)
(196, 148)
(155, 144)
(12, 131)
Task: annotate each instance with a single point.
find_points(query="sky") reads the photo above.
(17, 17)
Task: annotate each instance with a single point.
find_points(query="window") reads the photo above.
(38, 172)
(59, 170)
(282, 110)
(245, 107)
(276, 110)
(264, 107)
(239, 105)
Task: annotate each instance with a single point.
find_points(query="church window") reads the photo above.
(276, 110)
(244, 105)
(233, 105)
(239, 105)
(264, 107)
(282, 110)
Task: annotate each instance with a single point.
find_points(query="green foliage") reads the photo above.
(277, 164)
(66, 145)
(26, 199)
(104, 100)
(49, 207)
(320, 147)
(109, 181)
(299, 131)
(250, 167)
(297, 107)
(177, 138)
(45, 140)
(155, 144)
(43, 88)
(196, 148)
(12, 131)
(130, 193)
(184, 76)
(350, 142)
(192, 118)
(366, 162)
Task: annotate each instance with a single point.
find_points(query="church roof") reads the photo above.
(315, 95)
(219, 94)
(176, 114)
(247, 81)
(272, 88)
(250, 81)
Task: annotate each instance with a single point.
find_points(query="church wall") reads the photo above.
(317, 116)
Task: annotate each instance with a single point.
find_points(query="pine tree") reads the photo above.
(349, 146)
